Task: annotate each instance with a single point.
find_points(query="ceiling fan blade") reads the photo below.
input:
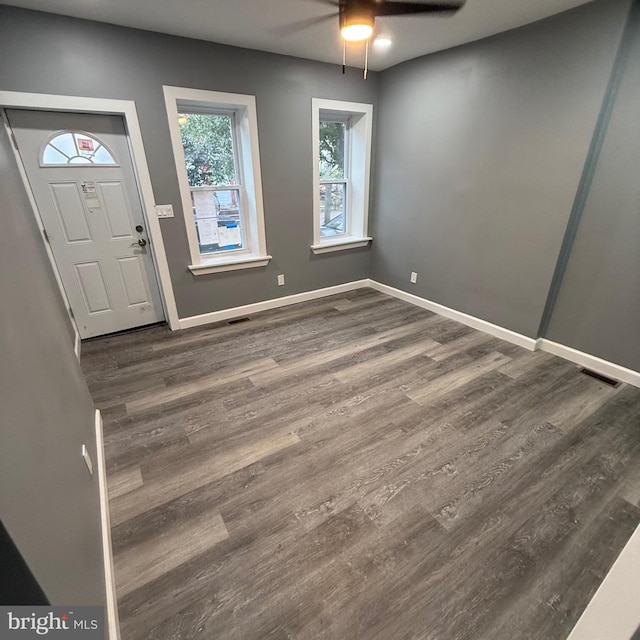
(388, 8)
(294, 27)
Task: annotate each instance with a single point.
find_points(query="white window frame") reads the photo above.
(357, 171)
(254, 254)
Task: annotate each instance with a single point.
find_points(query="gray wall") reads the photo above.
(48, 502)
(598, 306)
(53, 54)
(480, 150)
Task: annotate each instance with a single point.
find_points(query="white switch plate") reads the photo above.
(164, 210)
(87, 459)
(281, 280)
(414, 277)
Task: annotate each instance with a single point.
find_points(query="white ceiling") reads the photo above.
(254, 24)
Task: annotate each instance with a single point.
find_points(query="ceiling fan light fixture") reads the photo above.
(357, 31)
(356, 21)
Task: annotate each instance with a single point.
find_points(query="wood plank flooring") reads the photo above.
(358, 468)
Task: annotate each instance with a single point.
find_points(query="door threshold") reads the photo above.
(125, 331)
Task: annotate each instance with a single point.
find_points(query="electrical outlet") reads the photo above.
(87, 459)
(414, 277)
(281, 280)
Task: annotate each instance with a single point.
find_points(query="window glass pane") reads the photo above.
(333, 209)
(102, 156)
(332, 150)
(51, 156)
(218, 219)
(65, 143)
(207, 140)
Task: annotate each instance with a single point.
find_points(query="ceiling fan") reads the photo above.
(357, 17)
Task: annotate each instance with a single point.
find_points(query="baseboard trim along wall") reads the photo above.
(447, 312)
(256, 307)
(594, 363)
(588, 361)
(113, 623)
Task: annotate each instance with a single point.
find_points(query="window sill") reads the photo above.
(228, 265)
(340, 245)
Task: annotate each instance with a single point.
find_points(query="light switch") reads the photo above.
(164, 210)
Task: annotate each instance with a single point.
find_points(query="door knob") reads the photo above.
(140, 243)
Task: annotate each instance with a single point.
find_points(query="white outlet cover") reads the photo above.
(414, 277)
(87, 459)
(164, 210)
(281, 280)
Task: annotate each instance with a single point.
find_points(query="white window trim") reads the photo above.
(359, 172)
(244, 106)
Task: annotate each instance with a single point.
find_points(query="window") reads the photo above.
(334, 179)
(341, 161)
(75, 147)
(212, 173)
(215, 143)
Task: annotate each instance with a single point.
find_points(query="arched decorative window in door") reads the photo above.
(73, 148)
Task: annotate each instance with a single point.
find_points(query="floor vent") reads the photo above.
(238, 320)
(598, 376)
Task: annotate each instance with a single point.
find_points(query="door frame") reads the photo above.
(127, 110)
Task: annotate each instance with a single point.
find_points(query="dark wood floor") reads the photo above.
(356, 467)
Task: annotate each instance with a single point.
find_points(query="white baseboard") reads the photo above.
(471, 321)
(542, 344)
(613, 611)
(235, 312)
(594, 363)
(113, 623)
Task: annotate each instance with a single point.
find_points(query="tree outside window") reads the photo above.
(207, 140)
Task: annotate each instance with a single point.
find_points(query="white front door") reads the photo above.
(81, 174)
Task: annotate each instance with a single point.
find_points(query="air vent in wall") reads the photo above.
(238, 320)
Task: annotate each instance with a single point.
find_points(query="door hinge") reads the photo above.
(46, 235)
(71, 313)
(13, 140)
